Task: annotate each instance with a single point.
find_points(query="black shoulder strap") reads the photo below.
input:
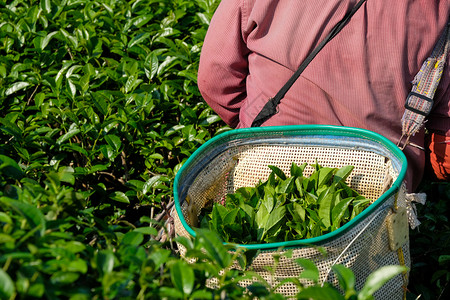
(270, 108)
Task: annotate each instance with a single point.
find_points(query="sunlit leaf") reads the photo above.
(73, 130)
(119, 197)
(7, 288)
(17, 86)
(378, 278)
(182, 277)
(114, 141)
(47, 39)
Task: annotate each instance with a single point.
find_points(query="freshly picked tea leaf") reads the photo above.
(286, 208)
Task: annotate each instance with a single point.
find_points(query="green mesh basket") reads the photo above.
(240, 157)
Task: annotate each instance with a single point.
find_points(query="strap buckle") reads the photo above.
(417, 111)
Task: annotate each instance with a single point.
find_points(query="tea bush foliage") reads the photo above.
(99, 108)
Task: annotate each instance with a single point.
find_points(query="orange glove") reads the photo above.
(439, 156)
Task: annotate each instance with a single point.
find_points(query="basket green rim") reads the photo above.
(306, 130)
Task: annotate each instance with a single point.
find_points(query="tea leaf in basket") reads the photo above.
(315, 229)
(325, 206)
(324, 174)
(342, 174)
(274, 221)
(269, 198)
(261, 218)
(278, 172)
(359, 204)
(230, 217)
(339, 211)
(282, 209)
(311, 198)
(286, 186)
(297, 171)
(297, 212)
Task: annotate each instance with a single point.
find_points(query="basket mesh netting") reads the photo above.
(240, 158)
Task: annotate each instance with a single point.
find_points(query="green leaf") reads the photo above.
(73, 130)
(142, 20)
(182, 277)
(17, 86)
(7, 288)
(339, 211)
(275, 219)
(62, 277)
(119, 197)
(342, 174)
(378, 278)
(320, 293)
(108, 152)
(261, 218)
(189, 132)
(298, 212)
(36, 290)
(10, 168)
(286, 186)
(324, 175)
(100, 103)
(147, 230)
(230, 217)
(134, 238)
(139, 38)
(5, 218)
(169, 293)
(269, 198)
(310, 270)
(2, 71)
(73, 40)
(297, 171)
(443, 259)
(154, 182)
(71, 87)
(213, 247)
(346, 277)
(105, 262)
(151, 65)
(78, 265)
(32, 214)
(46, 6)
(325, 207)
(46, 40)
(114, 141)
(66, 175)
(278, 172)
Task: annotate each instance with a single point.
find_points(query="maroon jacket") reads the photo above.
(360, 79)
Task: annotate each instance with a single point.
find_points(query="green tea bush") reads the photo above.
(104, 91)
